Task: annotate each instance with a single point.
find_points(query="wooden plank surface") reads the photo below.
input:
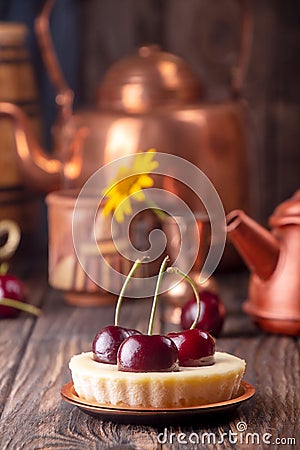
(34, 416)
(15, 333)
(34, 401)
(274, 411)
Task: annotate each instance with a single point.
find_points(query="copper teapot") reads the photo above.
(149, 99)
(274, 260)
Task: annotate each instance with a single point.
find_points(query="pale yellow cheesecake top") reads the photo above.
(189, 386)
(224, 363)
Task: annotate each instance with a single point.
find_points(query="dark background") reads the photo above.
(90, 35)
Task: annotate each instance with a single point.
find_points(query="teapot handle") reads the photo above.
(64, 94)
(245, 43)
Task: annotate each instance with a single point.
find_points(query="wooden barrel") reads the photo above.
(17, 85)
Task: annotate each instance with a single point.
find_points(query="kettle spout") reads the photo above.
(257, 246)
(40, 171)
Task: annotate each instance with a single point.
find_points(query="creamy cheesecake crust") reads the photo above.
(190, 386)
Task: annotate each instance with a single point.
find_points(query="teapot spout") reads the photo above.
(257, 246)
(40, 171)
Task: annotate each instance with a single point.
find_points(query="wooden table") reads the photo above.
(34, 366)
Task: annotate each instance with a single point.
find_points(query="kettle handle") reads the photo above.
(64, 94)
(238, 72)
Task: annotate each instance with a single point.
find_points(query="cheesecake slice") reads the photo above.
(190, 386)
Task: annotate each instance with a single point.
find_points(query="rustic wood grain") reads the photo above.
(275, 407)
(34, 399)
(272, 367)
(12, 344)
(34, 415)
(35, 352)
(14, 333)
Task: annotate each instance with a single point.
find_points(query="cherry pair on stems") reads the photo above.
(133, 351)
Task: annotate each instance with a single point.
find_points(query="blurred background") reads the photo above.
(89, 36)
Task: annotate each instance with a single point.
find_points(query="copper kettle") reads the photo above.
(149, 99)
(274, 260)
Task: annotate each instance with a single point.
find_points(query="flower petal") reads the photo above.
(119, 215)
(128, 183)
(143, 161)
(137, 162)
(123, 208)
(148, 160)
(122, 173)
(145, 181)
(126, 205)
(138, 195)
(109, 206)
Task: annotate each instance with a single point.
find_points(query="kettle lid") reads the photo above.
(148, 79)
(287, 212)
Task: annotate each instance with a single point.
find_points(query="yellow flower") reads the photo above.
(128, 184)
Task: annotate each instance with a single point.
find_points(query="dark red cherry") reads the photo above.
(107, 342)
(11, 288)
(148, 353)
(195, 347)
(212, 313)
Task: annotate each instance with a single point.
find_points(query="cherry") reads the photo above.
(212, 313)
(107, 342)
(195, 347)
(148, 353)
(11, 288)
(151, 352)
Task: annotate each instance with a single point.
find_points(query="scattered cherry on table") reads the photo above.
(13, 289)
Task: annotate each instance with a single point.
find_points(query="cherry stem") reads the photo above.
(133, 269)
(155, 298)
(159, 212)
(194, 287)
(20, 305)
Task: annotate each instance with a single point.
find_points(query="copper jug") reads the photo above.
(149, 99)
(274, 260)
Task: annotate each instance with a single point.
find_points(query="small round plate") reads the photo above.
(127, 414)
